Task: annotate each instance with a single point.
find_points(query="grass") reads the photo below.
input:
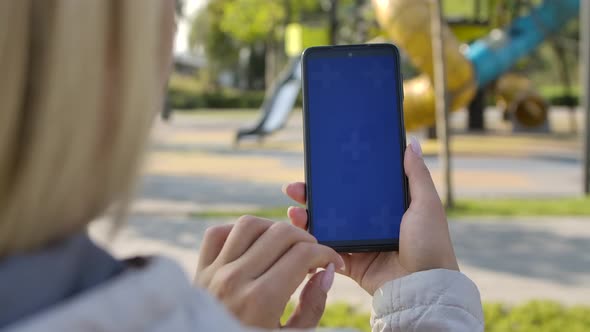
(522, 207)
(538, 316)
(270, 213)
(464, 208)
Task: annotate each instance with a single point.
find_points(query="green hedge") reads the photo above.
(563, 100)
(183, 101)
(188, 93)
(535, 316)
(339, 315)
(557, 95)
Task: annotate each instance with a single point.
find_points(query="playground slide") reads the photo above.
(278, 103)
(407, 23)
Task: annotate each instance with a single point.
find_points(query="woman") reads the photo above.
(81, 84)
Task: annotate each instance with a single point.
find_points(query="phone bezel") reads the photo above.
(343, 51)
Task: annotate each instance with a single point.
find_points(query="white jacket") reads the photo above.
(159, 298)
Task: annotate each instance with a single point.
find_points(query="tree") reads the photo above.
(256, 27)
(220, 48)
(259, 25)
(250, 21)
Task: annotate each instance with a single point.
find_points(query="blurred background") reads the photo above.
(231, 134)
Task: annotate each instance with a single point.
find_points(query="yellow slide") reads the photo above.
(407, 23)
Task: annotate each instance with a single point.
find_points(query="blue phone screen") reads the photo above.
(354, 148)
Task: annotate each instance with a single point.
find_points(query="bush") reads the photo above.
(186, 93)
(535, 316)
(339, 315)
(557, 95)
(570, 101)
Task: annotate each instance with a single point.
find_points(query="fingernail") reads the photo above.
(327, 278)
(342, 265)
(289, 209)
(415, 146)
(284, 189)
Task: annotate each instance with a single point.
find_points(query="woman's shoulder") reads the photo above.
(155, 297)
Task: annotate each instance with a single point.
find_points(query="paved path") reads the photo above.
(193, 163)
(511, 261)
(193, 167)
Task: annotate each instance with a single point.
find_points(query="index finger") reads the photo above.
(296, 191)
(292, 268)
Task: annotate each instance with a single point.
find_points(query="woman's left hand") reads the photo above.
(254, 267)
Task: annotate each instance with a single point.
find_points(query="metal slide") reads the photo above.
(278, 103)
(407, 23)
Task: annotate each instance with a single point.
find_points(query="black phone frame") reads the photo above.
(346, 51)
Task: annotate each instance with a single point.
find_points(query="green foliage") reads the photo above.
(557, 95)
(220, 48)
(338, 315)
(535, 316)
(465, 9)
(188, 93)
(223, 27)
(249, 21)
(300, 10)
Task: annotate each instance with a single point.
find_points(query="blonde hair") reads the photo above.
(80, 85)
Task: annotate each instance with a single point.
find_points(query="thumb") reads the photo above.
(312, 300)
(422, 189)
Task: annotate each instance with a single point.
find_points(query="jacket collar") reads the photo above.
(36, 281)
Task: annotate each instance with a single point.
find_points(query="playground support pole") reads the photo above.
(585, 85)
(441, 99)
(334, 24)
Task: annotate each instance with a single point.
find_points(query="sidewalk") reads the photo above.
(193, 161)
(512, 261)
(193, 167)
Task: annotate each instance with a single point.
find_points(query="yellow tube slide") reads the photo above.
(516, 95)
(407, 23)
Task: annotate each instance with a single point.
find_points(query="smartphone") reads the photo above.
(354, 139)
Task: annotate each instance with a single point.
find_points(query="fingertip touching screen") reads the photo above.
(354, 146)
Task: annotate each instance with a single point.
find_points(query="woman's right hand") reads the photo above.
(254, 267)
(425, 242)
